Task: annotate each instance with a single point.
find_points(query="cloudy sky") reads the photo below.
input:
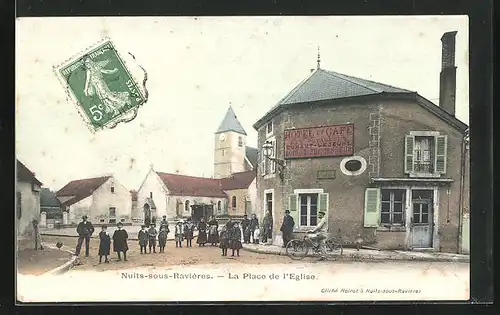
(197, 67)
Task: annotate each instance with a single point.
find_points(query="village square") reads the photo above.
(369, 172)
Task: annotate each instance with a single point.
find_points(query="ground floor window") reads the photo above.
(269, 202)
(392, 207)
(308, 205)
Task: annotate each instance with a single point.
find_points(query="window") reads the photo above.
(222, 152)
(269, 202)
(240, 141)
(112, 221)
(112, 189)
(425, 153)
(233, 201)
(269, 128)
(422, 206)
(308, 204)
(112, 211)
(392, 207)
(219, 205)
(186, 208)
(101, 220)
(122, 220)
(19, 211)
(151, 194)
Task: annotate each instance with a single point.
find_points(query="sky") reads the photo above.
(197, 67)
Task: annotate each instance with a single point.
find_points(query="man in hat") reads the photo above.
(287, 227)
(84, 230)
(321, 234)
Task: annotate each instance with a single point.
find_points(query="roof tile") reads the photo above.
(238, 180)
(182, 185)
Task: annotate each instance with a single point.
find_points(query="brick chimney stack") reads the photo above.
(448, 76)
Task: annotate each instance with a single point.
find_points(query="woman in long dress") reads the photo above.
(120, 237)
(96, 85)
(202, 233)
(213, 233)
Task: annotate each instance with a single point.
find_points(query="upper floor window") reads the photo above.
(187, 206)
(233, 201)
(240, 141)
(425, 154)
(151, 194)
(112, 211)
(112, 189)
(269, 128)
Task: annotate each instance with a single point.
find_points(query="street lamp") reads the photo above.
(268, 150)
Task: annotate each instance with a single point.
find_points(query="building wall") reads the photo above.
(79, 209)
(103, 199)
(398, 119)
(229, 157)
(346, 193)
(241, 195)
(152, 184)
(387, 123)
(254, 199)
(176, 205)
(30, 208)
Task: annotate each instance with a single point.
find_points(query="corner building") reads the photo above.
(384, 163)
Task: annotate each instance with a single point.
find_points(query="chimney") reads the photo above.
(448, 76)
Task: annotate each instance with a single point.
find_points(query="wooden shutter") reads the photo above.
(372, 207)
(293, 206)
(409, 147)
(323, 205)
(262, 163)
(273, 163)
(441, 152)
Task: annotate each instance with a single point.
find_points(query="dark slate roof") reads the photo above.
(328, 85)
(322, 85)
(81, 189)
(239, 180)
(251, 154)
(48, 198)
(231, 123)
(25, 175)
(181, 185)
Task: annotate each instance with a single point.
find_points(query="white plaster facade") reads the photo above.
(29, 207)
(98, 205)
(153, 186)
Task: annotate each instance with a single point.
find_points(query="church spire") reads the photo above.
(318, 61)
(231, 123)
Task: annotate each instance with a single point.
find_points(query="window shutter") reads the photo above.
(19, 209)
(262, 163)
(273, 163)
(409, 147)
(293, 207)
(441, 152)
(372, 207)
(323, 205)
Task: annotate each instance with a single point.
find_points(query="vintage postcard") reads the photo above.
(259, 158)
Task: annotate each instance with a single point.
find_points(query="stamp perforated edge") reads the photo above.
(127, 116)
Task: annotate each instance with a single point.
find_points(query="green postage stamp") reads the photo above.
(102, 86)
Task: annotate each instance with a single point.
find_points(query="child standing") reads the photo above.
(143, 238)
(120, 238)
(224, 240)
(152, 233)
(178, 234)
(162, 238)
(104, 244)
(256, 236)
(235, 239)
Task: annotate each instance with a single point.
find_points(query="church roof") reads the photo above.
(231, 123)
(182, 185)
(251, 154)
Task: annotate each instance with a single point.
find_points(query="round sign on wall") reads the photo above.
(353, 165)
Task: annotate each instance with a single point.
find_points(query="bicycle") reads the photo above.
(297, 249)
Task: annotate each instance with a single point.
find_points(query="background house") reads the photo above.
(241, 191)
(51, 206)
(27, 200)
(102, 199)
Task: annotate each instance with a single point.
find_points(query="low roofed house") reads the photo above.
(241, 192)
(102, 199)
(27, 199)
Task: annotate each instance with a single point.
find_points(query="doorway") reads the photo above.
(147, 214)
(422, 219)
(201, 211)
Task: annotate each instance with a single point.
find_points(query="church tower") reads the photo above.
(230, 144)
